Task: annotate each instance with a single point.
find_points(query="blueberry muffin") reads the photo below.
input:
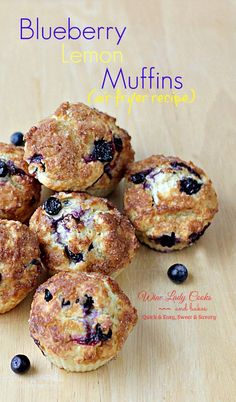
(20, 267)
(78, 149)
(80, 321)
(79, 232)
(19, 192)
(170, 202)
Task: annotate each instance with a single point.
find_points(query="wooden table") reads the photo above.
(177, 360)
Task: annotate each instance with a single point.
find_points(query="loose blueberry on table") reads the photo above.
(20, 364)
(177, 273)
(52, 206)
(17, 139)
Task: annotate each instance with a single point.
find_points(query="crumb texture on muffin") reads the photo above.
(169, 201)
(19, 191)
(78, 149)
(79, 232)
(80, 321)
(20, 266)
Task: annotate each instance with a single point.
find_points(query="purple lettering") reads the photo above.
(58, 31)
(120, 74)
(28, 27)
(87, 31)
(70, 28)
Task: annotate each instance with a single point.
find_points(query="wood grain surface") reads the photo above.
(169, 360)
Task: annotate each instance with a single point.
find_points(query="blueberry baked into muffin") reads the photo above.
(78, 149)
(20, 267)
(169, 201)
(80, 321)
(79, 232)
(19, 192)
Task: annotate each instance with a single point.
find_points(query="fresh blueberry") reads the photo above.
(76, 257)
(20, 364)
(189, 186)
(167, 240)
(103, 151)
(52, 206)
(17, 139)
(177, 273)
(3, 169)
(47, 295)
(118, 144)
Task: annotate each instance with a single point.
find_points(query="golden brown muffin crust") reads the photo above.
(20, 265)
(19, 192)
(162, 208)
(65, 144)
(88, 225)
(65, 330)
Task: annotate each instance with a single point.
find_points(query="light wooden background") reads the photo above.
(162, 360)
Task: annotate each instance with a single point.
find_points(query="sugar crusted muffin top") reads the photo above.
(78, 149)
(80, 232)
(80, 320)
(19, 191)
(20, 265)
(170, 202)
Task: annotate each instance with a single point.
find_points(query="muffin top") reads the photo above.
(19, 192)
(78, 149)
(79, 232)
(81, 317)
(166, 196)
(20, 263)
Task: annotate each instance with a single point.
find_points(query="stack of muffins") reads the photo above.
(80, 318)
